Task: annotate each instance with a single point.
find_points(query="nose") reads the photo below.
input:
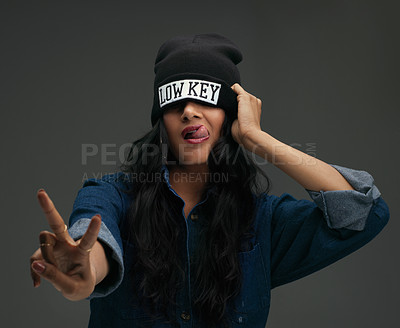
(191, 110)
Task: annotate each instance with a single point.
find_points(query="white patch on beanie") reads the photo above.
(204, 91)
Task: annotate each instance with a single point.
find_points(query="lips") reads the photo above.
(195, 132)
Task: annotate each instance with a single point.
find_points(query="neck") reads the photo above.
(189, 180)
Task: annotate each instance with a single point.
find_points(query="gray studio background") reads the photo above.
(78, 74)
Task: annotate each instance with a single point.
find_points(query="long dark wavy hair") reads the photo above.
(157, 229)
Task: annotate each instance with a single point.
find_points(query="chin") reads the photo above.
(194, 158)
(189, 162)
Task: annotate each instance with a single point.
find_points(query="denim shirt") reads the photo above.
(293, 238)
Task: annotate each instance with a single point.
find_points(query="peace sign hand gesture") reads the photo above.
(62, 261)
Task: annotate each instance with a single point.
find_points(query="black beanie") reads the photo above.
(201, 68)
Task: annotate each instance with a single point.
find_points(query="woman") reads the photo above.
(185, 235)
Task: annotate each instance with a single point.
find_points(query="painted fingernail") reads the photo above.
(38, 267)
(41, 189)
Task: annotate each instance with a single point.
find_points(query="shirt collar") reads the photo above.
(165, 172)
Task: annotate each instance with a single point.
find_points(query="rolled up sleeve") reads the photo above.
(102, 196)
(348, 208)
(307, 236)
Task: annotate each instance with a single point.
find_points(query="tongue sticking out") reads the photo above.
(200, 133)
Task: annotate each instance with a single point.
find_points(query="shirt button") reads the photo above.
(194, 217)
(185, 316)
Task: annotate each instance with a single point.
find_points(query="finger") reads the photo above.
(54, 219)
(35, 277)
(238, 88)
(242, 93)
(58, 279)
(90, 236)
(47, 243)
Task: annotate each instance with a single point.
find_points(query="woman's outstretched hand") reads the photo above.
(61, 260)
(249, 116)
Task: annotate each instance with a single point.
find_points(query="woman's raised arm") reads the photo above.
(310, 172)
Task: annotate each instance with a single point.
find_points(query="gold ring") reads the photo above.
(85, 250)
(45, 244)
